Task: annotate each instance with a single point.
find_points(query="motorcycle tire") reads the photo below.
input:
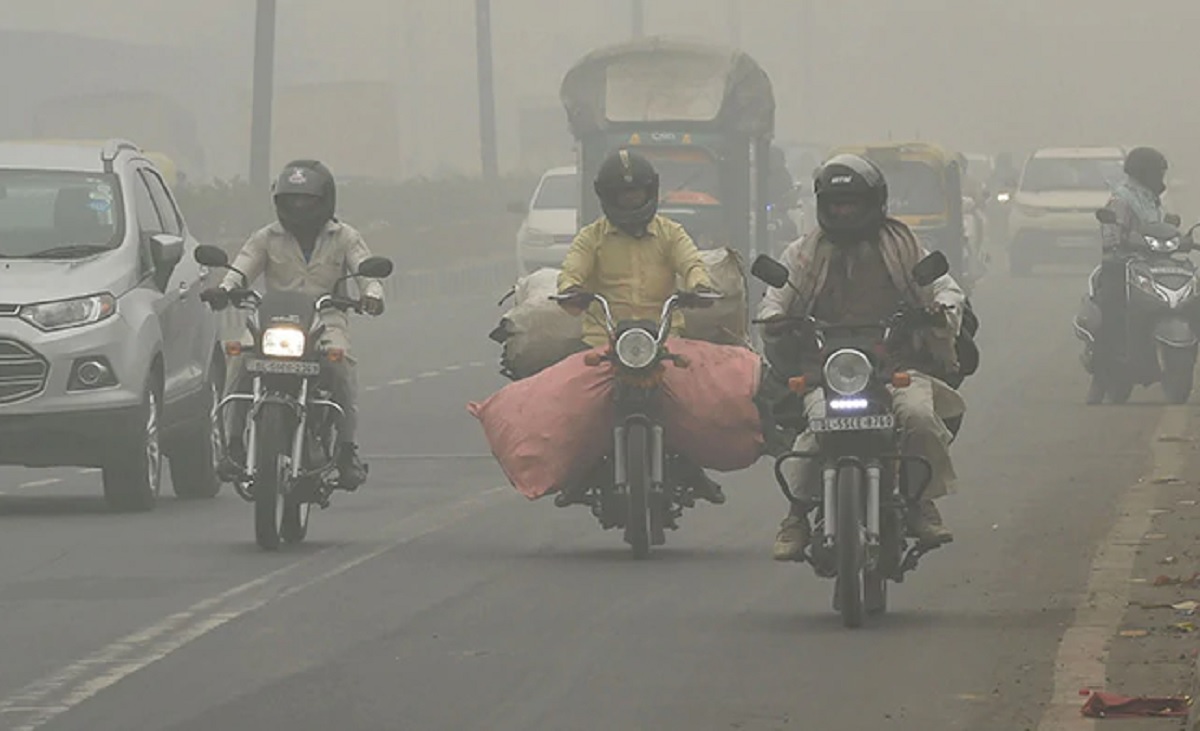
(850, 549)
(273, 438)
(637, 473)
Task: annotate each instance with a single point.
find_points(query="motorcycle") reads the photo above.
(290, 460)
(637, 487)
(868, 486)
(1162, 297)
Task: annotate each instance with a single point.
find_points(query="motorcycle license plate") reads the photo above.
(283, 367)
(874, 422)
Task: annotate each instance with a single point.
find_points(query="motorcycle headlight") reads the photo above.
(283, 342)
(636, 348)
(1162, 245)
(848, 372)
(74, 312)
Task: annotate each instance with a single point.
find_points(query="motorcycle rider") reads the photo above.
(854, 268)
(1136, 201)
(306, 250)
(631, 256)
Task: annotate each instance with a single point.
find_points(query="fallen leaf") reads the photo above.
(1185, 627)
(1168, 560)
(1167, 481)
(1134, 633)
(1157, 511)
(1155, 536)
(1187, 502)
(1188, 606)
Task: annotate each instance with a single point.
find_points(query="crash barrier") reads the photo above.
(537, 333)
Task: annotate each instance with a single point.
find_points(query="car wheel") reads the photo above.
(194, 460)
(133, 476)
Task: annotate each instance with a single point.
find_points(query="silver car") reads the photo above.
(108, 358)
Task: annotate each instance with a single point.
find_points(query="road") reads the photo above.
(437, 598)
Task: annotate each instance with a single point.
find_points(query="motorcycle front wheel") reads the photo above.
(273, 439)
(850, 550)
(637, 474)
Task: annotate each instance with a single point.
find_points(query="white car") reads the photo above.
(1054, 206)
(550, 220)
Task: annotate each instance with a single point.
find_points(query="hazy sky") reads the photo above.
(972, 73)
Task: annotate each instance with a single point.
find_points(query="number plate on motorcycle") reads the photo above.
(875, 422)
(284, 367)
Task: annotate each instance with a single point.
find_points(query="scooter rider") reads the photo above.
(1137, 201)
(854, 268)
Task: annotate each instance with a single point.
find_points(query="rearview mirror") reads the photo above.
(1173, 219)
(519, 209)
(376, 267)
(930, 269)
(166, 250)
(1106, 215)
(211, 256)
(770, 271)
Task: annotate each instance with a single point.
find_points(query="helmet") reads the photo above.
(1147, 166)
(305, 196)
(853, 180)
(627, 185)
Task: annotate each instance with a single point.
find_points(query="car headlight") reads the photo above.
(636, 348)
(75, 312)
(848, 371)
(1162, 245)
(1003, 197)
(283, 342)
(537, 237)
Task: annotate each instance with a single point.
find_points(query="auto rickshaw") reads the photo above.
(925, 191)
(702, 113)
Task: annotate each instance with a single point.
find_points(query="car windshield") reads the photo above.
(558, 191)
(1080, 173)
(50, 211)
(914, 188)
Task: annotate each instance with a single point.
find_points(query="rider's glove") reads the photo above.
(372, 306)
(216, 297)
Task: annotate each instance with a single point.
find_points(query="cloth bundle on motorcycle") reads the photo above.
(536, 333)
(726, 321)
(550, 428)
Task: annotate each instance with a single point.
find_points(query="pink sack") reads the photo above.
(709, 412)
(545, 429)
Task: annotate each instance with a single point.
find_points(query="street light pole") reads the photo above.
(264, 87)
(639, 18)
(487, 95)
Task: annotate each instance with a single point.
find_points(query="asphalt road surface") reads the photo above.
(438, 598)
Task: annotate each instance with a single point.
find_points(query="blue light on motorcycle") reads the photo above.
(848, 404)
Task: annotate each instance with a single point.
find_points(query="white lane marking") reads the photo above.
(1082, 657)
(477, 364)
(89, 470)
(369, 389)
(39, 483)
(400, 382)
(429, 374)
(452, 368)
(49, 697)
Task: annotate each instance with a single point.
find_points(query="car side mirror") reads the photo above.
(166, 251)
(376, 267)
(770, 271)
(213, 257)
(1173, 219)
(930, 269)
(1106, 215)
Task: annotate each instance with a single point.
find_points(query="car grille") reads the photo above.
(23, 372)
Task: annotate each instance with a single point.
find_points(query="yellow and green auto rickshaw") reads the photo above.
(925, 191)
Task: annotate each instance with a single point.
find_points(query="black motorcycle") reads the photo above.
(1158, 342)
(290, 460)
(868, 486)
(636, 487)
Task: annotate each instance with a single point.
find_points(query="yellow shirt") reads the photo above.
(636, 276)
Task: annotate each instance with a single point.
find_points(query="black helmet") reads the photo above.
(305, 196)
(623, 174)
(1147, 166)
(850, 179)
